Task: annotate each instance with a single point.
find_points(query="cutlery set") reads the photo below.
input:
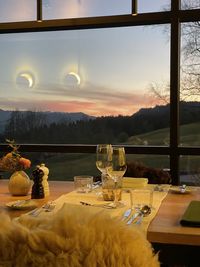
(129, 217)
(104, 205)
(19, 203)
(47, 207)
(137, 217)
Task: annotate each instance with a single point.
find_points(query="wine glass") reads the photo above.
(116, 169)
(103, 152)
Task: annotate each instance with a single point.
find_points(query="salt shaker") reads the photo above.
(45, 183)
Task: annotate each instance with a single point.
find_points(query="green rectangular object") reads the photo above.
(191, 217)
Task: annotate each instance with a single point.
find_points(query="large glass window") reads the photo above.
(86, 86)
(102, 80)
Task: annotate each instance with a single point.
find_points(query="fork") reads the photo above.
(126, 215)
(104, 205)
(47, 207)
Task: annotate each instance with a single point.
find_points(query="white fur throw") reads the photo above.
(75, 236)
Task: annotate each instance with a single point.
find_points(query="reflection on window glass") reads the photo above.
(190, 4)
(154, 167)
(87, 86)
(84, 8)
(190, 170)
(190, 84)
(153, 161)
(64, 166)
(17, 10)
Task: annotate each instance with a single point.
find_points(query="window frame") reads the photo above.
(174, 18)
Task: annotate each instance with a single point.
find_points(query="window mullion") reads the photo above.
(174, 91)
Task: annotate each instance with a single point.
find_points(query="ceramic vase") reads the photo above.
(19, 184)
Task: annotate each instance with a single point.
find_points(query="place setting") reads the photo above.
(130, 200)
(131, 203)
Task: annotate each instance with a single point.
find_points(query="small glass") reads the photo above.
(108, 187)
(141, 197)
(83, 183)
(116, 168)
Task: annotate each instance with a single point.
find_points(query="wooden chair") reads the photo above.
(75, 236)
(154, 175)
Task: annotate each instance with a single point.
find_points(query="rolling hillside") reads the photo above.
(189, 136)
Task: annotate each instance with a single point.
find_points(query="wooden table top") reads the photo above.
(165, 227)
(57, 188)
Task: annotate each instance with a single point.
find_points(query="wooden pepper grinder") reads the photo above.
(37, 188)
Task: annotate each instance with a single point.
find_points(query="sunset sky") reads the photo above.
(116, 67)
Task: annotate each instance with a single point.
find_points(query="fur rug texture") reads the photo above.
(73, 237)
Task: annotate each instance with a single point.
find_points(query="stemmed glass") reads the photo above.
(103, 152)
(116, 169)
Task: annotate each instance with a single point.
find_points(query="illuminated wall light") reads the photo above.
(72, 79)
(25, 80)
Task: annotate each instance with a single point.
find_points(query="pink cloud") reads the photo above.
(95, 101)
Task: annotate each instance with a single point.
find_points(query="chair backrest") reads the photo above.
(154, 175)
(75, 236)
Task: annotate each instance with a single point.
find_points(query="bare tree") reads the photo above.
(190, 62)
(160, 92)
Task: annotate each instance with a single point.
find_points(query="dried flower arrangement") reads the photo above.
(13, 161)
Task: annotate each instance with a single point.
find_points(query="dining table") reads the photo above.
(175, 243)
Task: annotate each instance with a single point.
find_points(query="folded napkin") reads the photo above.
(191, 217)
(130, 182)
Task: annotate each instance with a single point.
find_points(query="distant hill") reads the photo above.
(188, 111)
(158, 117)
(114, 127)
(50, 117)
